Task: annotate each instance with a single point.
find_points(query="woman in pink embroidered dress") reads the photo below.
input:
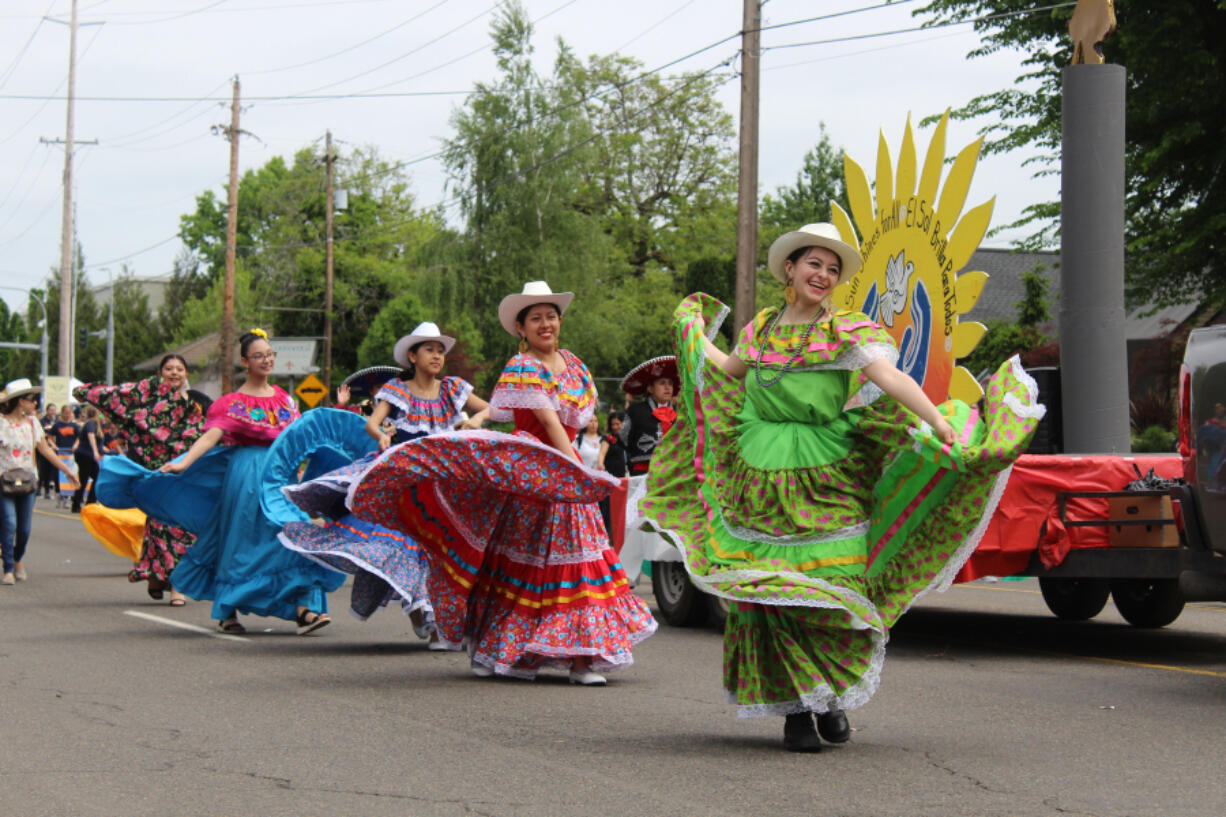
(237, 562)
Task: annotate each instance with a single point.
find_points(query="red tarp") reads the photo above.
(1030, 500)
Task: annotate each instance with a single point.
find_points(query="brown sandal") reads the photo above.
(231, 625)
(306, 625)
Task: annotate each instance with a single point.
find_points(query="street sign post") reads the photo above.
(295, 356)
(311, 390)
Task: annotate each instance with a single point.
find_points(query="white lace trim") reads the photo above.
(636, 492)
(795, 539)
(1032, 409)
(718, 321)
(823, 699)
(853, 359)
(945, 576)
(504, 403)
(706, 584)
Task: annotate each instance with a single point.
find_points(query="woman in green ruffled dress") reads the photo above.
(814, 485)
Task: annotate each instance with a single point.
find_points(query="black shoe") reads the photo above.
(799, 734)
(833, 726)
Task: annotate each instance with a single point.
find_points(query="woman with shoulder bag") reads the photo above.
(20, 435)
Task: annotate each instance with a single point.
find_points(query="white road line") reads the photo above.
(183, 626)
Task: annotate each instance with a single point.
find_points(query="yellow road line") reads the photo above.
(996, 589)
(57, 515)
(1145, 665)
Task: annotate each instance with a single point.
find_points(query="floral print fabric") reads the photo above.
(521, 570)
(157, 424)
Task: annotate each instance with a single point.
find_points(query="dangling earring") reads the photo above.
(523, 345)
(789, 293)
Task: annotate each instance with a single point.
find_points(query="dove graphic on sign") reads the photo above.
(894, 299)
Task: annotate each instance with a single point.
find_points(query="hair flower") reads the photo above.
(259, 333)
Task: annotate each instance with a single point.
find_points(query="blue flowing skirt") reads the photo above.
(237, 561)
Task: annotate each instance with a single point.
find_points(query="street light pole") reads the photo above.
(42, 346)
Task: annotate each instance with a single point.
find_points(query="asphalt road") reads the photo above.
(116, 705)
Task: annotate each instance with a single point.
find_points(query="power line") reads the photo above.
(7, 73)
(887, 4)
(654, 26)
(405, 55)
(346, 50)
(969, 21)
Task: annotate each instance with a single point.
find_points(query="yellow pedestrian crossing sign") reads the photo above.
(311, 390)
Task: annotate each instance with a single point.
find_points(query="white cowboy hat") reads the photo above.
(821, 234)
(425, 331)
(535, 292)
(17, 388)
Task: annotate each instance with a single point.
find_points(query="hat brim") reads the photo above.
(637, 380)
(788, 243)
(512, 305)
(401, 351)
(21, 393)
(366, 382)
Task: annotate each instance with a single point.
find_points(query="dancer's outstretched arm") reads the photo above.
(555, 432)
(199, 448)
(906, 391)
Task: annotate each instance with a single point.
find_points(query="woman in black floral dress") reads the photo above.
(157, 421)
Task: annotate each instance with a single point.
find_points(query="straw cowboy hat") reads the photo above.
(643, 375)
(425, 331)
(535, 292)
(821, 234)
(17, 388)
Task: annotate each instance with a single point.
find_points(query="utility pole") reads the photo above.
(329, 189)
(747, 180)
(227, 298)
(66, 225)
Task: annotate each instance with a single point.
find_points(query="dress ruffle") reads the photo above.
(836, 550)
(237, 561)
(521, 571)
(527, 383)
(386, 564)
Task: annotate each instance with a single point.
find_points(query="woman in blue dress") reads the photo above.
(214, 492)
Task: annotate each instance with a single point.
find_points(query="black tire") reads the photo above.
(717, 611)
(1147, 602)
(1075, 599)
(681, 603)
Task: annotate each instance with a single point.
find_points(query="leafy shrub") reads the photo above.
(1153, 440)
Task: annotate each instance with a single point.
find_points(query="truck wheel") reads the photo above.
(717, 611)
(1147, 602)
(681, 603)
(1075, 599)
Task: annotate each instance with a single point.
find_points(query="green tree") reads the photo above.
(1004, 339)
(281, 250)
(515, 163)
(1175, 54)
(664, 159)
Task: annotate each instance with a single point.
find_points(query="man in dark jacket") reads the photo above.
(648, 420)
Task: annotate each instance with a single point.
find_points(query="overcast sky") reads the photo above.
(154, 157)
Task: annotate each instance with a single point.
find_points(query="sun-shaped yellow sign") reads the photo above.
(914, 245)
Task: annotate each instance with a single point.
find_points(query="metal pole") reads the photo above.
(110, 332)
(1093, 347)
(42, 346)
(227, 298)
(66, 230)
(747, 185)
(328, 159)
